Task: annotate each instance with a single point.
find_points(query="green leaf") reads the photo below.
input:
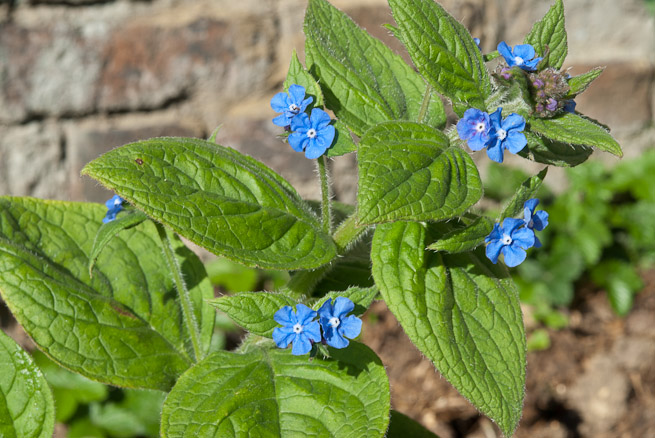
(343, 142)
(574, 129)
(461, 311)
(526, 191)
(543, 150)
(253, 310)
(123, 326)
(578, 84)
(464, 239)
(232, 276)
(361, 297)
(401, 426)
(443, 51)
(363, 81)
(137, 414)
(548, 37)
(409, 171)
(271, 393)
(299, 75)
(621, 281)
(108, 230)
(26, 406)
(216, 197)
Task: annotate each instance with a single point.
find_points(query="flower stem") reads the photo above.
(303, 283)
(183, 292)
(325, 192)
(425, 104)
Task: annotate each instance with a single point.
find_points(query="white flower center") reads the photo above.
(297, 329)
(518, 60)
(507, 239)
(334, 322)
(501, 133)
(480, 127)
(294, 108)
(311, 133)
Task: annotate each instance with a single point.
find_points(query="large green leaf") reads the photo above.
(409, 171)
(300, 76)
(122, 326)
(271, 393)
(548, 36)
(443, 51)
(461, 311)
(579, 83)
(219, 199)
(363, 81)
(253, 310)
(577, 130)
(26, 406)
(401, 426)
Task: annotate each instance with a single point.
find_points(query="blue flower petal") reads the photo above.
(494, 235)
(514, 255)
(285, 316)
(280, 102)
(530, 205)
(540, 220)
(515, 142)
(282, 120)
(510, 225)
(342, 307)
(336, 339)
(313, 331)
(532, 64)
(478, 142)
(351, 326)
(525, 51)
(513, 121)
(300, 121)
(493, 250)
(523, 238)
(506, 52)
(301, 345)
(319, 119)
(496, 117)
(305, 103)
(283, 336)
(304, 314)
(297, 94)
(298, 141)
(495, 151)
(537, 242)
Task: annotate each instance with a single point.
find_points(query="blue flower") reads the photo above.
(534, 221)
(290, 105)
(298, 328)
(475, 128)
(477, 42)
(506, 134)
(523, 55)
(511, 240)
(336, 325)
(312, 134)
(114, 205)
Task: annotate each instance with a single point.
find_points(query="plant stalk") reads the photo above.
(321, 162)
(183, 292)
(425, 104)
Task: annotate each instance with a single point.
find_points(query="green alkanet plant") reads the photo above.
(127, 303)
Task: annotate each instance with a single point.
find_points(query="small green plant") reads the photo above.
(123, 301)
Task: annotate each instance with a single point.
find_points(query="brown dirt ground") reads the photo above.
(596, 380)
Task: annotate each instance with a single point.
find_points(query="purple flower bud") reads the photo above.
(541, 94)
(538, 83)
(539, 108)
(506, 73)
(551, 105)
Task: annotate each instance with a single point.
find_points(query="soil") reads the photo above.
(597, 379)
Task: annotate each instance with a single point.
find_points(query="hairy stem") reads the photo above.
(321, 162)
(302, 283)
(183, 292)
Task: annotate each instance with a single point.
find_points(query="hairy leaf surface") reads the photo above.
(123, 326)
(253, 310)
(409, 171)
(26, 406)
(548, 36)
(461, 311)
(526, 191)
(219, 199)
(271, 393)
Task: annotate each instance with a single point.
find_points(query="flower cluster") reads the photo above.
(301, 328)
(481, 130)
(515, 236)
(312, 134)
(549, 87)
(114, 205)
(522, 55)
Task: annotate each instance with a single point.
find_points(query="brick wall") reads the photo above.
(80, 77)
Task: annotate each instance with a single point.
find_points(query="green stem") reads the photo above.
(302, 283)
(425, 104)
(325, 192)
(183, 292)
